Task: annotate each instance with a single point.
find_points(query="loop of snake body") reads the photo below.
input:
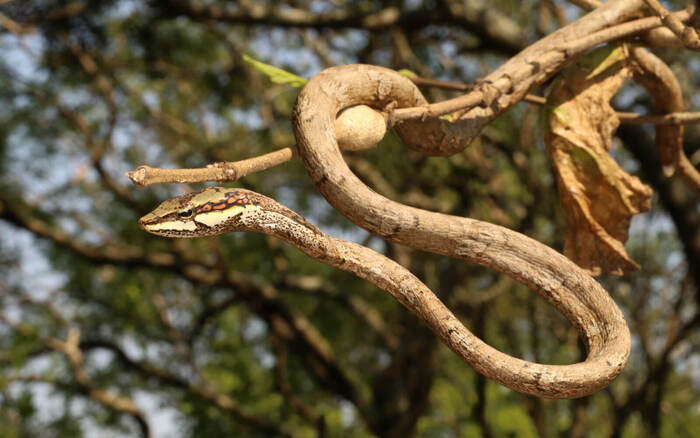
(218, 210)
(570, 289)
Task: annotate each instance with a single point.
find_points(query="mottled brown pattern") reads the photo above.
(240, 197)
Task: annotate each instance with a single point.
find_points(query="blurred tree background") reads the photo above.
(106, 330)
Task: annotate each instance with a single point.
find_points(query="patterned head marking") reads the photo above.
(209, 212)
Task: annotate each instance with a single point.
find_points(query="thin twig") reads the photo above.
(427, 82)
(687, 34)
(219, 172)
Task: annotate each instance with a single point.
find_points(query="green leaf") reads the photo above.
(276, 75)
(407, 73)
(604, 58)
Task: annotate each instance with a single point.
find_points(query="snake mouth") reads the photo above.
(168, 228)
(143, 224)
(147, 222)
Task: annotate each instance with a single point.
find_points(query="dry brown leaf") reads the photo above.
(598, 197)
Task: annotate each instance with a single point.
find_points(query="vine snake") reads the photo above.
(218, 210)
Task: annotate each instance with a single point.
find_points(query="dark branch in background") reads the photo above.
(401, 391)
(353, 303)
(679, 202)
(95, 147)
(496, 30)
(210, 312)
(204, 392)
(681, 205)
(288, 392)
(302, 336)
(646, 395)
(70, 348)
(479, 322)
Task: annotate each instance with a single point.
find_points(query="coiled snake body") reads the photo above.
(572, 291)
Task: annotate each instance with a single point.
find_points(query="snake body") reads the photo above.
(218, 210)
(570, 289)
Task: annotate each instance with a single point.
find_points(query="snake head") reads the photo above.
(212, 211)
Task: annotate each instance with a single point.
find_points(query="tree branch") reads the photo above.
(687, 34)
(510, 83)
(496, 30)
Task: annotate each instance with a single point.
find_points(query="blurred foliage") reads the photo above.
(187, 329)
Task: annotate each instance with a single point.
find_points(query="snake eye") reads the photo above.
(184, 213)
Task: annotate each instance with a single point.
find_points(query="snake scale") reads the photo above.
(218, 210)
